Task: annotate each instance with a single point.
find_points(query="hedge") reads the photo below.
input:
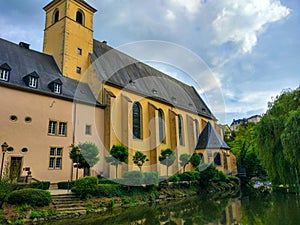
(65, 184)
(30, 196)
(44, 185)
(108, 190)
(133, 178)
(150, 178)
(86, 186)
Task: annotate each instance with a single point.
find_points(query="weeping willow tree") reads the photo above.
(278, 139)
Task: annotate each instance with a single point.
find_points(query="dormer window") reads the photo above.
(31, 80)
(4, 72)
(56, 86)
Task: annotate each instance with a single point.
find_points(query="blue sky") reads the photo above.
(251, 48)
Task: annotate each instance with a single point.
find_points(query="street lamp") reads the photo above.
(78, 150)
(4, 147)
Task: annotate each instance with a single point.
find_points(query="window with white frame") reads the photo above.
(4, 74)
(57, 88)
(52, 127)
(32, 82)
(62, 131)
(55, 159)
(57, 128)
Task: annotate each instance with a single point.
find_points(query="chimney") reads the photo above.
(24, 45)
(104, 42)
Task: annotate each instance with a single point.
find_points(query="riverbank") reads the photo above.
(131, 196)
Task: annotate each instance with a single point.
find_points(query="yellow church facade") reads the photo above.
(106, 98)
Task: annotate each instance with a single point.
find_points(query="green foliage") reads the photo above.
(184, 160)
(38, 214)
(195, 159)
(133, 178)
(277, 138)
(139, 159)
(150, 178)
(106, 181)
(174, 178)
(30, 196)
(244, 147)
(234, 179)
(167, 157)
(189, 176)
(108, 190)
(88, 155)
(43, 185)
(207, 175)
(65, 184)
(118, 154)
(86, 186)
(5, 188)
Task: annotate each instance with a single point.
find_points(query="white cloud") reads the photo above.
(170, 15)
(189, 7)
(242, 21)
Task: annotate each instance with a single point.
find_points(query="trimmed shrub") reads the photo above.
(207, 175)
(108, 190)
(186, 176)
(43, 185)
(133, 178)
(150, 178)
(174, 178)
(107, 181)
(86, 186)
(65, 184)
(30, 196)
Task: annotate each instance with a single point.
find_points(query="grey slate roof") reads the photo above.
(117, 68)
(210, 139)
(24, 62)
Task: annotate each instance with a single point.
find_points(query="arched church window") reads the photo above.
(80, 17)
(56, 16)
(180, 130)
(217, 159)
(161, 126)
(137, 120)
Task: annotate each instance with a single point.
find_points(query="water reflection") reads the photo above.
(249, 209)
(185, 212)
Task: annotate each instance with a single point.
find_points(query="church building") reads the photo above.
(82, 90)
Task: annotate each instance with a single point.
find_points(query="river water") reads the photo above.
(254, 209)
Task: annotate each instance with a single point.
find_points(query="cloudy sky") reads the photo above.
(251, 48)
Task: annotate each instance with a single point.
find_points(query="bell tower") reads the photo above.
(68, 35)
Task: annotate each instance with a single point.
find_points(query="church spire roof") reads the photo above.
(210, 139)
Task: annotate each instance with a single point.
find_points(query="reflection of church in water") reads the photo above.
(185, 212)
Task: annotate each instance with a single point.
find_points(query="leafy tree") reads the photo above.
(184, 160)
(244, 148)
(195, 159)
(278, 137)
(88, 156)
(167, 157)
(118, 154)
(139, 159)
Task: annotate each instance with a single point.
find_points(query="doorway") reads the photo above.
(15, 167)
